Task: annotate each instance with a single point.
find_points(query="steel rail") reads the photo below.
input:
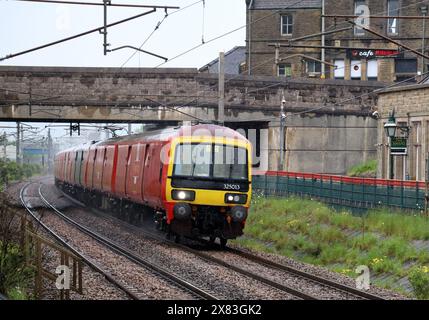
(92, 264)
(303, 274)
(254, 258)
(130, 255)
(210, 258)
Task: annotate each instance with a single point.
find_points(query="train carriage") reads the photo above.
(196, 179)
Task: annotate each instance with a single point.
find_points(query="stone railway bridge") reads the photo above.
(339, 134)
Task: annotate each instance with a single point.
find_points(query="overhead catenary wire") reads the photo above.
(267, 16)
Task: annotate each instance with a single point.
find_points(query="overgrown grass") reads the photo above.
(312, 232)
(367, 169)
(15, 277)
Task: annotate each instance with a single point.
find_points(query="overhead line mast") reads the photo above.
(102, 30)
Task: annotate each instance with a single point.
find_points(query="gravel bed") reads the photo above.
(321, 272)
(225, 283)
(95, 286)
(218, 280)
(144, 283)
(309, 287)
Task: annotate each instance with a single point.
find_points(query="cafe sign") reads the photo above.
(371, 53)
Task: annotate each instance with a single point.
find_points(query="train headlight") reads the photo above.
(183, 195)
(239, 214)
(235, 198)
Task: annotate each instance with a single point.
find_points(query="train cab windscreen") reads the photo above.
(211, 161)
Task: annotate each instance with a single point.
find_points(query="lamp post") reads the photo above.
(390, 129)
(282, 133)
(424, 10)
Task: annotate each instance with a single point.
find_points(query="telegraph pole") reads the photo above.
(282, 133)
(221, 109)
(323, 55)
(17, 143)
(49, 151)
(4, 145)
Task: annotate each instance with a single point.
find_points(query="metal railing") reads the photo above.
(360, 193)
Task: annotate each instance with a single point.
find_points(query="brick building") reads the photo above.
(411, 105)
(272, 22)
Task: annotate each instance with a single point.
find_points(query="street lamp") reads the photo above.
(390, 129)
(390, 126)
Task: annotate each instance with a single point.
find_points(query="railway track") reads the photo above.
(131, 292)
(320, 280)
(89, 262)
(305, 276)
(206, 257)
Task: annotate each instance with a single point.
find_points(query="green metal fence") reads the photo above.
(357, 193)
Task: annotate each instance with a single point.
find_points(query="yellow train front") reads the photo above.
(208, 185)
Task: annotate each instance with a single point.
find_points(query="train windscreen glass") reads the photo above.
(211, 161)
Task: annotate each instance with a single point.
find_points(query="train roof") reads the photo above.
(166, 134)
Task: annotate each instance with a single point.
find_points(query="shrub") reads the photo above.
(367, 169)
(419, 279)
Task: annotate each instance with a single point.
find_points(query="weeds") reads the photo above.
(311, 232)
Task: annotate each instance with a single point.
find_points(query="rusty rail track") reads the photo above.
(129, 292)
(168, 276)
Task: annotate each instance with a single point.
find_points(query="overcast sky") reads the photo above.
(27, 24)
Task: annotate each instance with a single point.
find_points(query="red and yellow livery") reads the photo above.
(197, 179)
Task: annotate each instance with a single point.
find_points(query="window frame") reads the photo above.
(391, 20)
(314, 63)
(286, 66)
(356, 30)
(289, 25)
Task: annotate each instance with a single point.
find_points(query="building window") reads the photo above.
(393, 10)
(287, 25)
(356, 70)
(339, 69)
(285, 70)
(358, 12)
(372, 70)
(405, 69)
(313, 67)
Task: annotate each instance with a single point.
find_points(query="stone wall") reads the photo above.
(158, 90)
(411, 105)
(329, 128)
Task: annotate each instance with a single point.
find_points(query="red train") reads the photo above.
(195, 179)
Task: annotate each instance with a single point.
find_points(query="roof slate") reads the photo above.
(286, 4)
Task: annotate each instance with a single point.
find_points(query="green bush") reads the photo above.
(12, 171)
(419, 279)
(13, 274)
(367, 169)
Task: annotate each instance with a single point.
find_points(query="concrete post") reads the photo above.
(18, 140)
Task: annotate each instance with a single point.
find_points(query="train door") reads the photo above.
(90, 168)
(109, 172)
(135, 172)
(98, 168)
(83, 167)
(72, 166)
(78, 163)
(152, 175)
(69, 166)
(64, 167)
(124, 153)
